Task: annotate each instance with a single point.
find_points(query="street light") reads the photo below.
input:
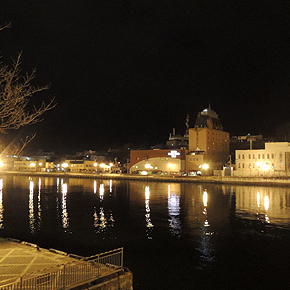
(205, 167)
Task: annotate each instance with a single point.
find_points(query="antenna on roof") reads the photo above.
(187, 124)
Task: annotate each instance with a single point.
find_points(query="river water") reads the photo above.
(175, 235)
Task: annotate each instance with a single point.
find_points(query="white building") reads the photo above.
(274, 160)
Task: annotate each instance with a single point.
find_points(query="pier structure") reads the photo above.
(26, 266)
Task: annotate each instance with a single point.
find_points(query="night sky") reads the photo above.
(129, 71)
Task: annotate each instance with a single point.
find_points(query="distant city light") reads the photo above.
(205, 166)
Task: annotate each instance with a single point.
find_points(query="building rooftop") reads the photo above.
(208, 119)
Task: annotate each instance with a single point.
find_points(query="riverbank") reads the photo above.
(256, 181)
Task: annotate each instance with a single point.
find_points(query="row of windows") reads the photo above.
(193, 159)
(256, 156)
(251, 165)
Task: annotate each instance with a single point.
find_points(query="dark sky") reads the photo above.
(130, 71)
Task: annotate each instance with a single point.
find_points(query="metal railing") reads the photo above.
(71, 274)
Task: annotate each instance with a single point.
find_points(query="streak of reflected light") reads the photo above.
(39, 203)
(95, 187)
(266, 202)
(149, 224)
(258, 199)
(65, 218)
(31, 207)
(205, 198)
(173, 205)
(102, 191)
(1, 205)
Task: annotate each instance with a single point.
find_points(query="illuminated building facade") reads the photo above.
(160, 161)
(274, 160)
(78, 166)
(29, 165)
(208, 143)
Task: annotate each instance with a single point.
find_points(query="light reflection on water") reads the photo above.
(1, 204)
(271, 204)
(268, 204)
(31, 207)
(174, 209)
(137, 215)
(65, 218)
(149, 225)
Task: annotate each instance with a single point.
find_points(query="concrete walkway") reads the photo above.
(18, 259)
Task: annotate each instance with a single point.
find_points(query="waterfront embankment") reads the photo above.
(255, 181)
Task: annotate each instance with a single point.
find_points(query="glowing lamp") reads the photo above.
(265, 167)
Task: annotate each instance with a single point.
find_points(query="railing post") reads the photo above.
(20, 283)
(98, 265)
(122, 255)
(63, 277)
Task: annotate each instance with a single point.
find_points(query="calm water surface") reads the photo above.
(175, 236)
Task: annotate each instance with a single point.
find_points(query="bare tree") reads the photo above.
(16, 91)
(15, 148)
(15, 94)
